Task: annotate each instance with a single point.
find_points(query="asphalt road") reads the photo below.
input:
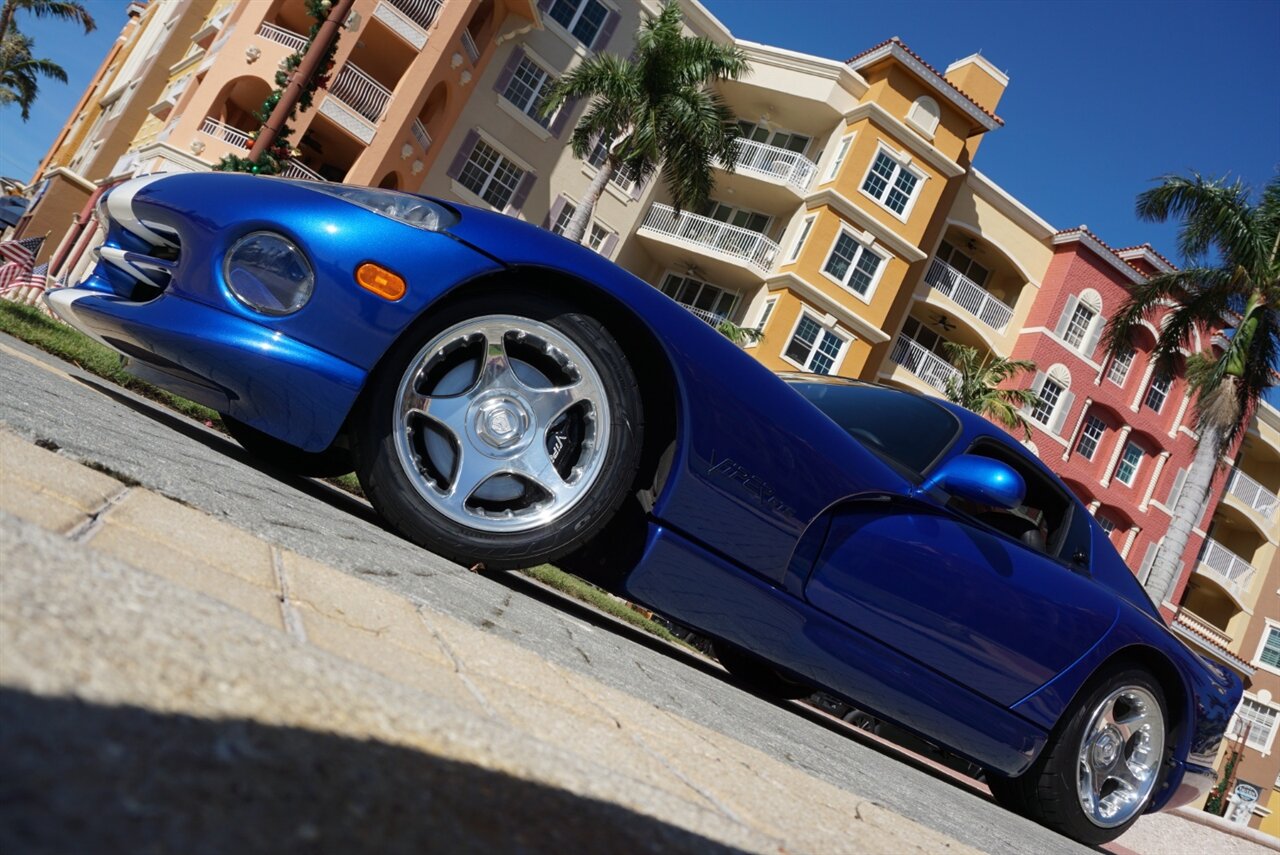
(55, 404)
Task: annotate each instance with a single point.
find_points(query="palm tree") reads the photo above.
(19, 71)
(1233, 277)
(66, 10)
(977, 386)
(655, 109)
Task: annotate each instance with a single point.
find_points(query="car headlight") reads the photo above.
(269, 273)
(401, 207)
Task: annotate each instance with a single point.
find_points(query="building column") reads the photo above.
(1142, 387)
(1128, 541)
(1182, 411)
(1093, 507)
(1121, 439)
(1071, 442)
(1155, 476)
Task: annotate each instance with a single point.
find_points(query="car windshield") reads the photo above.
(906, 430)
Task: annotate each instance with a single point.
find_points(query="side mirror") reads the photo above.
(979, 479)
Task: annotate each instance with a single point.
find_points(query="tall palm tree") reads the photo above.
(66, 10)
(977, 386)
(19, 71)
(655, 109)
(1233, 276)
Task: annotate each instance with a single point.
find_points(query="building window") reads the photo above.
(490, 176)
(563, 218)
(527, 89)
(1106, 524)
(1078, 326)
(1269, 648)
(709, 302)
(853, 265)
(1090, 437)
(1119, 369)
(890, 183)
(963, 264)
(1130, 461)
(778, 139)
(842, 151)
(813, 348)
(768, 310)
(583, 18)
(799, 243)
(752, 221)
(1158, 391)
(924, 114)
(1049, 393)
(624, 176)
(597, 236)
(1259, 719)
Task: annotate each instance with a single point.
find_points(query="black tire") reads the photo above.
(289, 458)
(404, 497)
(1047, 792)
(757, 676)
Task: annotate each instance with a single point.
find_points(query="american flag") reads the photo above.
(21, 252)
(21, 278)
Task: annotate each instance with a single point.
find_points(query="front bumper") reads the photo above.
(235, 366)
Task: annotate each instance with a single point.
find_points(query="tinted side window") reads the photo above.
(907, 431)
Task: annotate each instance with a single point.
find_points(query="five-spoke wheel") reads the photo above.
(506, 438)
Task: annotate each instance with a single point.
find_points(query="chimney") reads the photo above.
(978, 79)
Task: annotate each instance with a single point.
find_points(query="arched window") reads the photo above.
(924, 114)
(1051, 386)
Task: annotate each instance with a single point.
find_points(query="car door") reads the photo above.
(934, 581)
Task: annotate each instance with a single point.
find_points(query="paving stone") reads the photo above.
(47, 489)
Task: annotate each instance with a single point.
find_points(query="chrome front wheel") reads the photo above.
(1119, 756)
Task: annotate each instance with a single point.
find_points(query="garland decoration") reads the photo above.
(272, 160)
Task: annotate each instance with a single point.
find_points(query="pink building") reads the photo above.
(1119, 431)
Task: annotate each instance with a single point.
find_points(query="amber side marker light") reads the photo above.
(380, 280)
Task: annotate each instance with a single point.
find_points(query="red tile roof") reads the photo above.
(1149, 248)
(900, 43)
(1105, 245)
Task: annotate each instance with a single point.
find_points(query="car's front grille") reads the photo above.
(139, 255)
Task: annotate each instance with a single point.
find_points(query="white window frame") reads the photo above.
(837, 360)
(569, 205)
(902, 163)
(1096, 440)
(622, 178)
(1124, 364)
(702, 283)
(489, 176)
(1107, 524)
(538, 93)
(862, 247)
(838, 157)
(798, 244)
(1237, 722)
(766, 311)
(1164, 393)
(1084, 331)
(1271, 626)
(1137, 466)
(1053, 407)
(577, 16)
(600, 230)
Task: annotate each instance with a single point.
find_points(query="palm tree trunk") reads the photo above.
(1188, 511)
(6, 17)
(581, 218)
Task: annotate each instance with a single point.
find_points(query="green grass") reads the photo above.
(39, 330)
(600, 599)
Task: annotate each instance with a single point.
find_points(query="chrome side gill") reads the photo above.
(120, 209)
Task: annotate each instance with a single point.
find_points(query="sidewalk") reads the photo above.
(171, 683)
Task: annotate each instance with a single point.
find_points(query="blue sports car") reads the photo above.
(507, 397)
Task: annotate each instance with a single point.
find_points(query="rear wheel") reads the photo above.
(1098, 772)
(507, 438)
(312, 464)
(757, 676)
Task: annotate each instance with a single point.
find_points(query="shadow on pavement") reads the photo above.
(79, 777)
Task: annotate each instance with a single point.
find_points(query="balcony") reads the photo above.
(408, 19)
(712, 237)
(169, 99)
(923, 363)
(218, 130)
(710, 317)
(294, 169)
(1226, 568)
(774, 164)
(1203, 628)
(356, 102)
(968, 295)
(281, 36)
(469, 45)
(1253, 494)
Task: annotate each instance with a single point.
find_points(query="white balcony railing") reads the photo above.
(712, 235)
(421, 12)
(971, 296)
(420, 134)
(294, 169)
(1202, 627)
(706, 315)
(1252, 493)
(360, 92)
(922, 362)
(214, 128)
(779, 164)
(280, 35)
(1226, 568)
(469, 45)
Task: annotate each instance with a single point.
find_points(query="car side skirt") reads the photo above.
(679, 578)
